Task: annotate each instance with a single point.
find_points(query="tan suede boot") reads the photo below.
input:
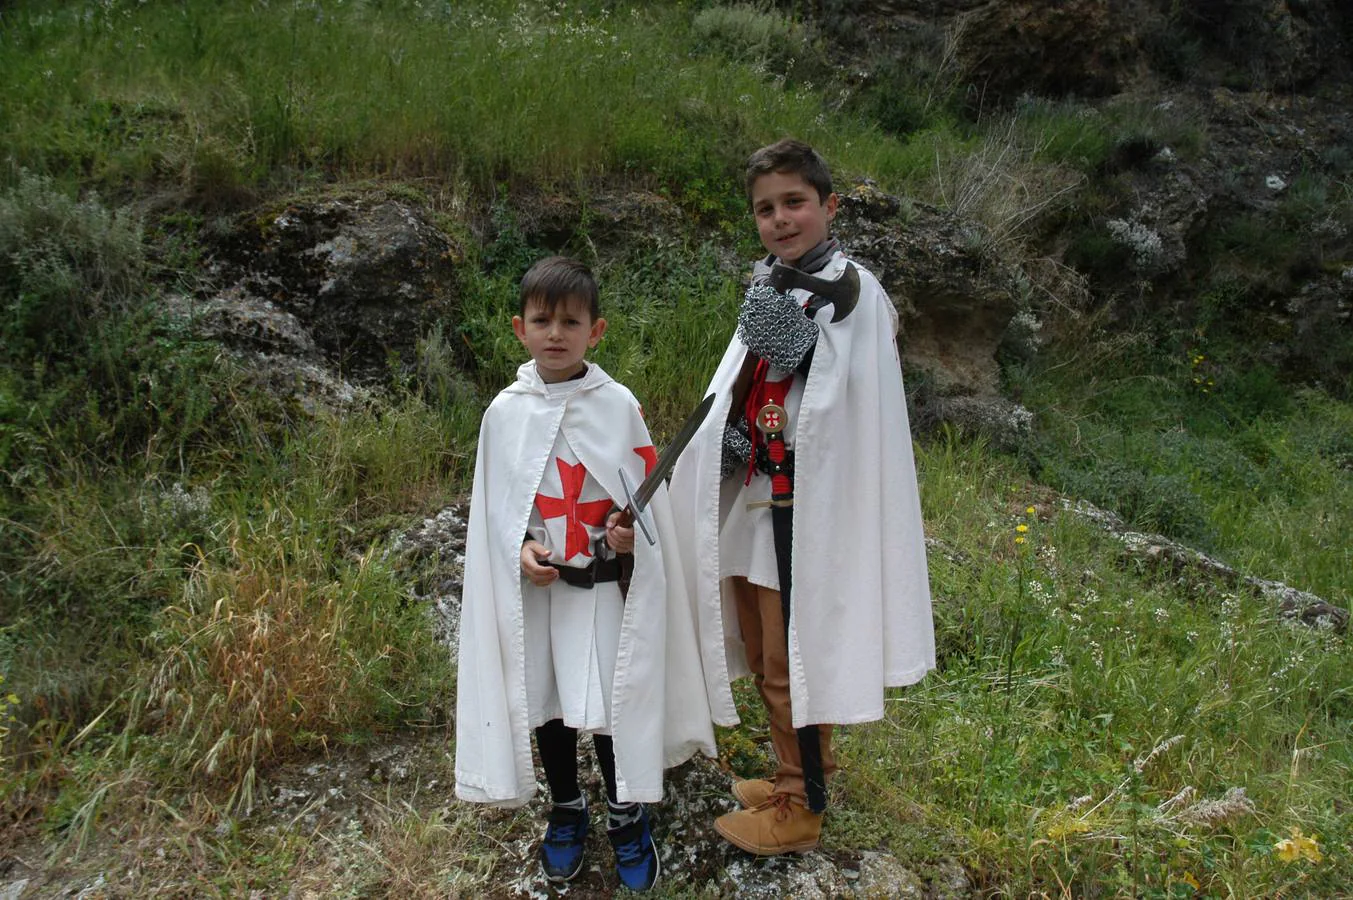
(752, 792)
(780, 825)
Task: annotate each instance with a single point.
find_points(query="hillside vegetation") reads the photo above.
(200, 582)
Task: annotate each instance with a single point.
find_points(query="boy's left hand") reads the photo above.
(619, 539)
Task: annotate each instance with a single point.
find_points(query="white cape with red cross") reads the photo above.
(861, 616)
(659, 710)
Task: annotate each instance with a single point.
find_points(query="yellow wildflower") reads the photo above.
(1061, 829)
(1020, 539)
(1030, 510)
(1021, 528)
(1298, 846)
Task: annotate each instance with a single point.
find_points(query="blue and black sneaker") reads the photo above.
(636, 856)
(561, 853)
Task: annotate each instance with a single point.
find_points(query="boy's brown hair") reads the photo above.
(558, 278)
(791, 157)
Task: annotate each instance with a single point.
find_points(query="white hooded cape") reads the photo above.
(659, 710)
(861, 615)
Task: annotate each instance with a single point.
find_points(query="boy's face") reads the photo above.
(558, 341)
(790, 217)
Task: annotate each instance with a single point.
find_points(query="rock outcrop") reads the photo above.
(356, 278)
(1094, 48)
(956, 298)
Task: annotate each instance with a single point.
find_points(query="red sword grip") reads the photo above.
(780, 485)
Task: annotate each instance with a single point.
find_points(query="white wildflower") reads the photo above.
(1185, 794)
(1163, 747)
(1148, 251)
(1232, 805)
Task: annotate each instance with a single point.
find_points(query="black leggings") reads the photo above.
(558, 746)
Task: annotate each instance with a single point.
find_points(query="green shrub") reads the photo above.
(1252, 390)
(914, 89)
(1098, 254)
(1173, 51)
(1148, 502)
(748, 34)
(64, 263)
(1121, 135)
(95, 366)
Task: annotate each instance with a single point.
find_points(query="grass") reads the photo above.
(216, 101)
(1212, 450)
(195, 593)
(242, 93)
(1084, 714)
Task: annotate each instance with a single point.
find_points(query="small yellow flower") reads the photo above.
(1020, 539)
(1030, 510)
(1021, 528)
(1060, 830)
(1298, 846)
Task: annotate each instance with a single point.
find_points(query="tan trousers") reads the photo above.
(763, 633)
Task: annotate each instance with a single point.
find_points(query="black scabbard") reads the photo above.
(810, 745)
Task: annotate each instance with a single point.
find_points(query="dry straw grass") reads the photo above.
(1003, 183)
(265, 655)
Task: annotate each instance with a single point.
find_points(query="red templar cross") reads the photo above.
(591, 512)
(650, 455)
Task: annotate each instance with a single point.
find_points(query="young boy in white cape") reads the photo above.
(797, 505)
(548, 641)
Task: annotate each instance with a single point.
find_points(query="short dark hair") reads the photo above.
(558, 278)
(791, 157)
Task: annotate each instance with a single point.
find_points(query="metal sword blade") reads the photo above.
(668, 459)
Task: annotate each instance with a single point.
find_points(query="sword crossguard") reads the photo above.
(771, 504)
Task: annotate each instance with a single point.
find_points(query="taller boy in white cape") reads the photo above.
(811, 570)
(862, 617)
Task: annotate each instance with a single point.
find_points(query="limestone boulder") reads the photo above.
(361, 277)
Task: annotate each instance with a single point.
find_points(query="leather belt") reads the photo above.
(598, 571)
